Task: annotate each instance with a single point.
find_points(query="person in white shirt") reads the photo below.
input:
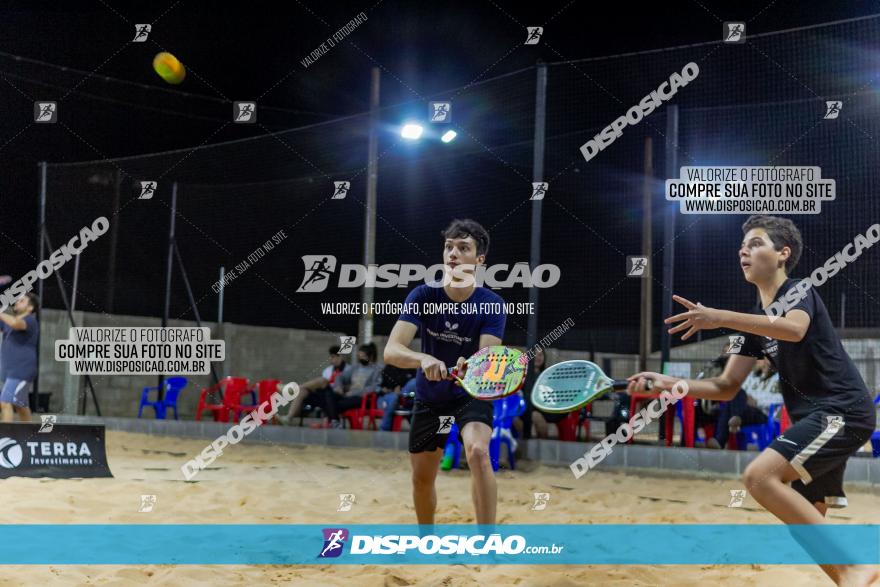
(315, 391)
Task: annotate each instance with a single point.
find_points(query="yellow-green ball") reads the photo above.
(169, 68)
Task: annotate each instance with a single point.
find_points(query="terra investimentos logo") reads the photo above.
(10, 453)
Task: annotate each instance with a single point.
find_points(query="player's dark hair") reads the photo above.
(334, 350)
(33, 300)
(370, 349)
(465, 227)
(782, 233)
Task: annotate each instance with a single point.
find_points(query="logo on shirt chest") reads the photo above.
(449, 333)
(770, 346)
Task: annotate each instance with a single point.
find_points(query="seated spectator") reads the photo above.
(314, 392)
(532, 414)
(365, 377)
(394, 382)
(706, 411)
(750, 406)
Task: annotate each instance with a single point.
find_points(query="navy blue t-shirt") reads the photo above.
(449, 335)
(18, 351)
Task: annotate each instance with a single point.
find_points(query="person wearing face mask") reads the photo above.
(364, 377)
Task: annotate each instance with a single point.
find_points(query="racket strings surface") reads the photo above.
(569, 385)
(489, 362)
(564, 395)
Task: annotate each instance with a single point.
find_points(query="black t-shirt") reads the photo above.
(815, 374)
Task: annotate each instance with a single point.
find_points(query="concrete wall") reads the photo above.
(862, 471)
(258, 352)
(252, 351)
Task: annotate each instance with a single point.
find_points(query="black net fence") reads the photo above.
(757, 103)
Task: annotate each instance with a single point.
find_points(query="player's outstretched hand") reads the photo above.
(698, 317)
(434, 369)
(638, 382)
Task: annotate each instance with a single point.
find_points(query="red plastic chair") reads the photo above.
(355, 416)
(371, 412)
(688, 413)
(230, 390)
(784, 420)
(399, 415)
(263, 391)
(569, 426)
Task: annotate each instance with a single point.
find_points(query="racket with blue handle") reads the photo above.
(493, 373)
(570, 385)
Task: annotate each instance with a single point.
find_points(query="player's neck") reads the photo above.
(767, 289)
(458, 294)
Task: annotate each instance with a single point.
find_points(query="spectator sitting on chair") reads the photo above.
(18, 357)
(363, 378)
(314, 392)
(750, 405)
(540, 419)
(394, 380)
(706, 411)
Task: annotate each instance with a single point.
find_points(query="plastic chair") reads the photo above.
(505, 410)
(404, 410)
(452, 451)
(875, 438)
(371, 411)
(230, 389)
(684, 409)
(568, 428)
(261, 393)
(173, 387)
(784, 420)
(760, 434)
(355, 416)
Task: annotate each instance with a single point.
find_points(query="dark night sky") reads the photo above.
(236, 50)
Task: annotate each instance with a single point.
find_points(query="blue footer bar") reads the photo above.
(533, 544)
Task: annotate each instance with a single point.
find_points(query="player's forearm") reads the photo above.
(781, 328)
(401, 356)
(714, 388)
(13, 322)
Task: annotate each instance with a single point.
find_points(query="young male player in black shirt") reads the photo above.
(800, 474)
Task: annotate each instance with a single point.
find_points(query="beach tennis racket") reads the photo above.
(493, 372)
(570, 385)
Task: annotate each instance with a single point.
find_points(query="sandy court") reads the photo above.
(296, 484)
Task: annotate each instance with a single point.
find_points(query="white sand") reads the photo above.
(300, 485)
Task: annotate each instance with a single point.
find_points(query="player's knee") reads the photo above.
(755, 476)
(476, 452)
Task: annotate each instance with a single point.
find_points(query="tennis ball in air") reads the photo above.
(169, 68)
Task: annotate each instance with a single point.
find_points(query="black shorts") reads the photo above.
(430, 423)
(818, 447)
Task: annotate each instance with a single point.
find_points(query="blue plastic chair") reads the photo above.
(875, 438)
(452, 451)
(173, 387)
(505, 410)
(760, 434)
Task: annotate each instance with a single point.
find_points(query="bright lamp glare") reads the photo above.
(448, 136)
(411, 131)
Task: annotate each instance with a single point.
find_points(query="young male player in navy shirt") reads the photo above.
(447, 339)
(800, 474)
